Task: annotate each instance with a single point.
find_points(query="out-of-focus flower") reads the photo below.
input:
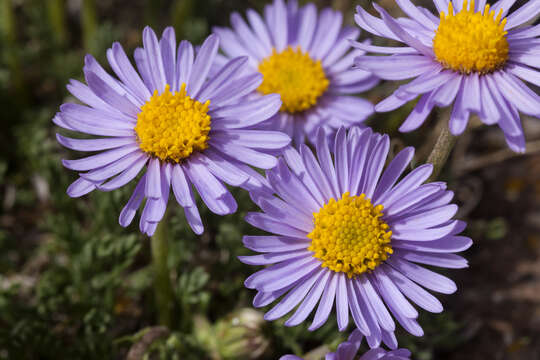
(346, 232)
(473, 55)
(173, 122)
(348, 350)
(306, 58)
(237, 336)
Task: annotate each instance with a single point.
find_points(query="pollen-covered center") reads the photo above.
(471, 41)
(292, 74)
(349, 235)
(171, 125)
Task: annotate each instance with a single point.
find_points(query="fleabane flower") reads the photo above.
(344, 231)
(306, 58)
(348, 350)
(173, 123)
(474, 56)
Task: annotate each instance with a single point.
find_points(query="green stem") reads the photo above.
(89, 23)
(8, 34)
(441, 151)
(56, 10)
(162, 282)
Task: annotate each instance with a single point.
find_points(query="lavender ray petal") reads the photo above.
(202, 64)
(101, 159)
(80, 187)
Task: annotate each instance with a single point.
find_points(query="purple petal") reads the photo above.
(392, 173)
(414, 13)
(126, 72)
(451, 261)
(267, 223)
(153, 182)
(424, 234)
(294, 296)
(260, 29)
(423, 220)
(244, 154)
(391, 294)
(101, 159)
(272, 258)
(184, 64)
(397, 67)
(231, 70)
(400, 32)
(342, 304)
(422, 276)
(110, 96)
(447, 244)
(523, 14)
(414, 292)
(356, 311)
(194, 219)
(309, 302)
(168, 52)
(328, 26)
(128, 212)
(154, 58)
(273, 244)
(409, 183)
(246, 113)
(201, 66)
(109, 170)
(125, 177)
(80, 187)
(382, 314)
(181, 187)
(223, 169)
(326, 303)
(94, 144)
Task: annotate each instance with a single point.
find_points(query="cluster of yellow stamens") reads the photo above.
(171, 126)
(349, 235)
(292, 74)
(471, 41)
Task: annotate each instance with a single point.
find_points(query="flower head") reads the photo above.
(306, 58)
(172, 121)
(344, 231)
(473, 55)
(348, 350)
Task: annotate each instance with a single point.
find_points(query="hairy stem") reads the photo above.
(441, 151)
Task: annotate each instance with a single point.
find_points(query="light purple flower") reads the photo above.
(492, 88)
(387, 277)
(218, 153)
(287, 27)
(348, 350)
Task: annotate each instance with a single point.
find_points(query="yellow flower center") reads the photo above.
(171, 126)
(292, 74)
(471, 42)
(349, 235)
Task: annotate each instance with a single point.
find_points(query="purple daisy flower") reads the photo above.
(344, 231)
(348, 350)
(472, 56)
(306, 58)
(171, 121)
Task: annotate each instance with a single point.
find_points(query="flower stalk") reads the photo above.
(162, 284)
(439, 155)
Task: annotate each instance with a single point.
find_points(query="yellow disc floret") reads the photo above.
(349, 235)
(171, 126)
(471, 41)
(292, 74)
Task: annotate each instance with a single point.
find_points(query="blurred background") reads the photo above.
(76, 285)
